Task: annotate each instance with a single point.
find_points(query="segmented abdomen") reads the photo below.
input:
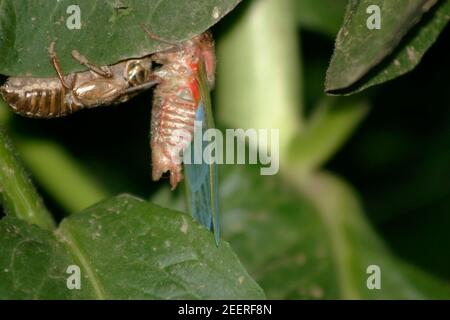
(172, 127)
(38, 97)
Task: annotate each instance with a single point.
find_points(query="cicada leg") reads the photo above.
(103, 71)
(141, 87)
(154, 36)
(57, 65)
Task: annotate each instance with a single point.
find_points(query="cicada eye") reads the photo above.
(136, 73)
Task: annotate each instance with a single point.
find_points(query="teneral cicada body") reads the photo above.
(181, 101)
(177, 99)
(57, 97)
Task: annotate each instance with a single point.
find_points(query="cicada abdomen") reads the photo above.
(177, 99)
(37, 97)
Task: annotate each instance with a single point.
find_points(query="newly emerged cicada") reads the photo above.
(63, 95)
(181, 99)
(177, 99)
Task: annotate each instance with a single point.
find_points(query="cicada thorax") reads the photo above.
(176, 102)
(92, 90)
(49, 98)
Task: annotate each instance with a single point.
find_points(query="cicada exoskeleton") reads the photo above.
(63, 95)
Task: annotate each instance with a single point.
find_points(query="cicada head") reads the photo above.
(203, 47)
(206, 43)
(138, 71)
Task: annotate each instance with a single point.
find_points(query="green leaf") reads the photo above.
(126, 249)
(324, 16)
(110, 30)
(410, 52)
(33, 264)
(358, 50)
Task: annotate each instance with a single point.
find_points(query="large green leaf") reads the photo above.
(359, 50)
(126, 249)
(110, 30)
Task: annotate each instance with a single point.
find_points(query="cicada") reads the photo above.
(180, 99)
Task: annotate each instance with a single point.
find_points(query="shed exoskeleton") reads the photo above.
(63, 95)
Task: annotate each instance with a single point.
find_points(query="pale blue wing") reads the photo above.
(202, 183)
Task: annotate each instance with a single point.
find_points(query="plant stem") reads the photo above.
(71, 185)
(259, 76)
(18, 195)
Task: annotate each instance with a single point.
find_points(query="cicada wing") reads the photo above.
(196, 175)
(202, 182)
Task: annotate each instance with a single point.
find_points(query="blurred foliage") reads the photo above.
(399, 161)
(328, 257)
(272, 76)
(353, 245)
(305, 233)
(324, 16)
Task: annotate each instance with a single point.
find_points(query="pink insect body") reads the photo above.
(176, 102)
